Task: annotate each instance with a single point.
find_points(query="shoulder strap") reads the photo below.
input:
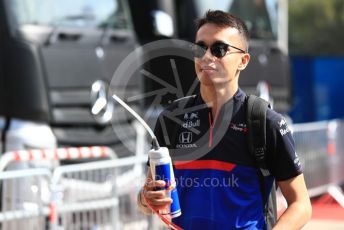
(256, 125)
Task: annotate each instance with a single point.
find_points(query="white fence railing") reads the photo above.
(320, 146)
(94, 195)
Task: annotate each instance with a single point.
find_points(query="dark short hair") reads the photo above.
(223, 19)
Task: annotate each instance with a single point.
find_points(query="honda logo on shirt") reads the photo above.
(185, 137)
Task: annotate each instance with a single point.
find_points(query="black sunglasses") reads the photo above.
(217, 49)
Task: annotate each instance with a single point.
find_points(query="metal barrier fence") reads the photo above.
(92, 195)
(320, 146)
(25, 200)
(96, 195)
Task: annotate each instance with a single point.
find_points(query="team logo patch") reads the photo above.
(284, 129)
(191, 120)
(185, 137)
(185, 140)
(241, 127)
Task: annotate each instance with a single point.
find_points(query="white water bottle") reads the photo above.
(161, 168)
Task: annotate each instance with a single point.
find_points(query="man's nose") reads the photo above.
(208, 56)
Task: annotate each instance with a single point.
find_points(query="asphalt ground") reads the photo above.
(327, 214)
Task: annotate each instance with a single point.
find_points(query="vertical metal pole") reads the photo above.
(53, 212)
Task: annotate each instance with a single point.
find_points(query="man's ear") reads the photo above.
(244, 61)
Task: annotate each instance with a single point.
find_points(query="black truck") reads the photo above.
(57, 58)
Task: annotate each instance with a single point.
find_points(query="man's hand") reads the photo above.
(157, 199)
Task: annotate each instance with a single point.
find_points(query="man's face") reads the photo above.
(212, 70)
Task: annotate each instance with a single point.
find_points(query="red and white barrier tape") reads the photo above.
(56, 154)
(60, 153)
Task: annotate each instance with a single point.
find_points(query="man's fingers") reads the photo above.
(151, 185)
(160, 203)
(155, 194)
(157, 199)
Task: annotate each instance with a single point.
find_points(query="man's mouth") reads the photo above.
(207, 68)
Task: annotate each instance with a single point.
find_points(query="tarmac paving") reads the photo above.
(324, 224)
(329, 216)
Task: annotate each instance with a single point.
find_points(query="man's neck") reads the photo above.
(217, 95)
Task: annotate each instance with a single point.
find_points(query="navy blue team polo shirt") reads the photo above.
(217, 179)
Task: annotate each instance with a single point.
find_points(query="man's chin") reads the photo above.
(211, 79)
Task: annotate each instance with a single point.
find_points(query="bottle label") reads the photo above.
(165, 172)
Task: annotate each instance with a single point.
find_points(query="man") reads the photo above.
(209, 147)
